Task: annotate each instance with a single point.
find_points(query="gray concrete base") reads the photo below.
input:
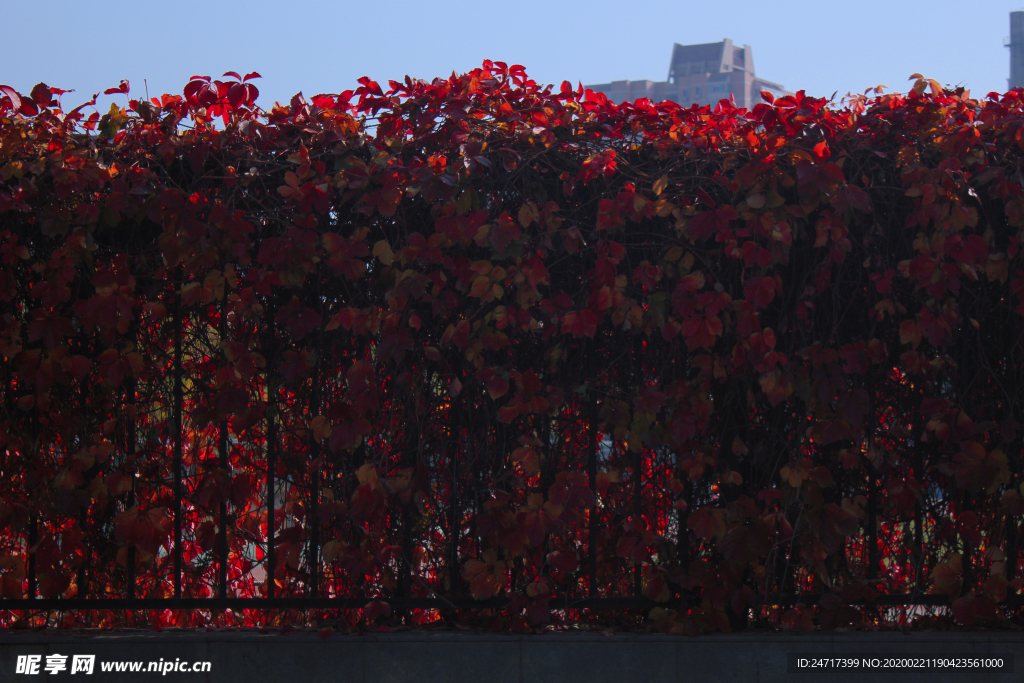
(441, 657)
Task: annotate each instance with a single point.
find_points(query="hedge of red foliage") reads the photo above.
(485, 339)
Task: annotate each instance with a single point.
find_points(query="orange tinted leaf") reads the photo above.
(947, 576)
(660, 184)
(382, 250)
(321, 428)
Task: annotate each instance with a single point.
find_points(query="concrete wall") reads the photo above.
(554, 658)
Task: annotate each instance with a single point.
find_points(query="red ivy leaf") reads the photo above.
(120, 89)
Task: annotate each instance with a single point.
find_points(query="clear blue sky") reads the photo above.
(315, 47)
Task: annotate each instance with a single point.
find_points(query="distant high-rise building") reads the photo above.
(1016, 45)
(700, 74)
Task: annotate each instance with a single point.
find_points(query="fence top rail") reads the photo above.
(308, 603)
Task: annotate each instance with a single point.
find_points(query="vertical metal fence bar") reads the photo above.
(872, 530)
(177, 420)
(271, 502)
(592, 475)
(271, 450)
(33, 538)
(313, 549)
(1011, 546)
(638, 506)
(968, 553)
(683, 539)
(131, 556)
(405, 566)
(410, 458)
(918, 554)
(81, 580)
(222, 524)
(454, 522)
(33, 524)
(222, 448)
(547, 478)
(130, 453)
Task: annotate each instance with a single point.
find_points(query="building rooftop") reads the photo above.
(700, 74)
